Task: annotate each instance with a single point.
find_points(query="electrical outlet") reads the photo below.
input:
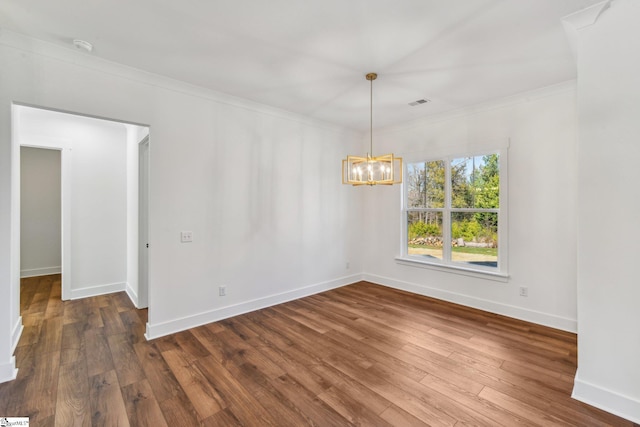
(348, 265)
(222, 291)
(186, 236)
(524, 291)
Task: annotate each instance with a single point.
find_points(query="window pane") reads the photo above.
(475, 182)
(425, 184)
(474, 238)
(425, 234)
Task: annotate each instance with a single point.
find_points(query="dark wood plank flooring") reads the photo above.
(359, 355)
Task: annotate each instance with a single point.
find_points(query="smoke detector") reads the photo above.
(83, 45)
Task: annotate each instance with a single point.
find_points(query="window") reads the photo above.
(452, 215)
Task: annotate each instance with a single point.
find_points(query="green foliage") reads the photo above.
(468, 230)
(489, 225)
(426, 184)
(422, 229)
(472, 230)
(461, 191)
(433, 230)
(417, 229)
(488, 195)
(487, 183)
(435, 184)
(478, 187)
(475, 184)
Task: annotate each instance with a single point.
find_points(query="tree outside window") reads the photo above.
(453, 209)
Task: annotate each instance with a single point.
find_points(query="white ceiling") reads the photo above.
(310, 57)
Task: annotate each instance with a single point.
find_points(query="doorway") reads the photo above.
(40, 227)
(100, 218)
(40, 212)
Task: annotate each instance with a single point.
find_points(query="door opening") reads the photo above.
(40, 223)
(99, 164)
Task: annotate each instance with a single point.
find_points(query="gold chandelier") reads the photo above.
(370, 170)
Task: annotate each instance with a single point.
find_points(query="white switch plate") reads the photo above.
(186, 236)
(222, 291)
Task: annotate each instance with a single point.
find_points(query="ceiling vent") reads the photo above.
(419, 101)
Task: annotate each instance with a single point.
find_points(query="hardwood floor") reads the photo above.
(358, 355)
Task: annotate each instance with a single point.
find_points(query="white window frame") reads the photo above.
(500, 272)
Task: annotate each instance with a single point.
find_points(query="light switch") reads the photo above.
(186, 236)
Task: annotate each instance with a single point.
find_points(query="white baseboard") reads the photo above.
(187, 322)
(607, 400)
(133, 296)
(8, 370)
(93, 291)
(545, 319)
(45, 271)
(16, 334)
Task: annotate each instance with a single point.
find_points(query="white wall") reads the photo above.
(40, 212)
(98, 186)
(609, 226)
(540, 129)
(259, 188)
(263, 197)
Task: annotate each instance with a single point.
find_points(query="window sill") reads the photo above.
(466, 271)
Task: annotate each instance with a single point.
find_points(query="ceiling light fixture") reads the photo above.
(82, 44)
(370, 170)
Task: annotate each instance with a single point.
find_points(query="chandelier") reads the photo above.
(370, 170)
